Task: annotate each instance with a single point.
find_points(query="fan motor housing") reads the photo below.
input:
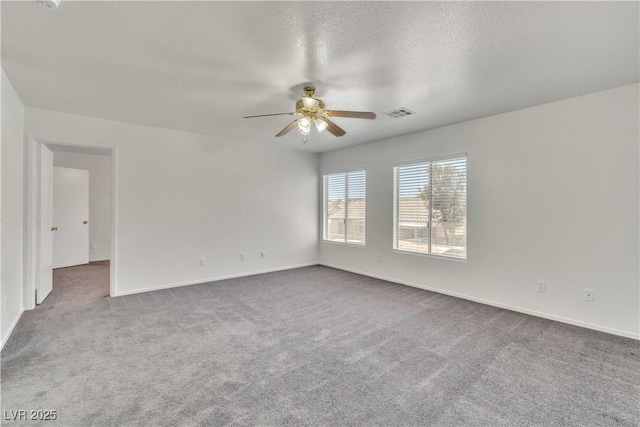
(309, 112)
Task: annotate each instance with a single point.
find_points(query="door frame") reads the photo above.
(32, 210)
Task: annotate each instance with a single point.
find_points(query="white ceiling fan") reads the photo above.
(311, 110)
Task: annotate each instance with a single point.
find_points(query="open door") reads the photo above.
(45, 271)
(70, 217)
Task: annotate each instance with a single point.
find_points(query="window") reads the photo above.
(430, 207)
(345, 207)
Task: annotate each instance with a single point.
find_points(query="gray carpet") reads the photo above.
(311, 346)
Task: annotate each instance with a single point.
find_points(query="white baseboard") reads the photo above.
(494, 303)
(11, 328)
(99, 259)
(211, 279)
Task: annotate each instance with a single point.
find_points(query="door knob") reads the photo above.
(85, 222)
(54, 228)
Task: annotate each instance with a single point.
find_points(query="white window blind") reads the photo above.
(430, 201)
(345, 207)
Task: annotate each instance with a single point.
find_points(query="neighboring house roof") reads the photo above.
(356, 209)
(412, 211)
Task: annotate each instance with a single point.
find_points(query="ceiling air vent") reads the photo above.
(399, 112)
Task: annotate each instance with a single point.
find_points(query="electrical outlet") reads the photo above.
(379, 258)
(203, 261)
(542, 286)
(589, 294)
(263, 254)
(92, 246)
(243, 256)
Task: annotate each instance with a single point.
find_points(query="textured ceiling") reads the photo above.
(201, 66)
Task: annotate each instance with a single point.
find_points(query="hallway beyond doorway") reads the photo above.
(78, 285)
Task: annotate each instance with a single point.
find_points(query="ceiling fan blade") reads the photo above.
(290, 126)
(267, 115)
(352, 114)
(334, 128)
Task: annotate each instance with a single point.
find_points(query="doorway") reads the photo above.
(77, 225)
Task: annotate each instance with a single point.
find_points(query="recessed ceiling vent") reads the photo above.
(399, 112)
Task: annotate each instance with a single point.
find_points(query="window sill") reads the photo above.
(449, 258)
(355, 245)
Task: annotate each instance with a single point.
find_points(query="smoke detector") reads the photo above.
(51, 4)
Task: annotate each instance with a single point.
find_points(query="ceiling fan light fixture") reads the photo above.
(310, 109)
(310, 103)
(304, 126)
(51, 4)
(321, 124)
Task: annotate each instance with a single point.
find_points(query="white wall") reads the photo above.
(12, 181)
(181, 196)
(553, 195)
(99, 168)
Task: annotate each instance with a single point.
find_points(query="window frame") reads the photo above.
(396, 206)
(325, 217)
